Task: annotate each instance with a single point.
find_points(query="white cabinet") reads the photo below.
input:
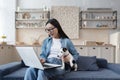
(107, 52)
(93, 50)
(82, 50)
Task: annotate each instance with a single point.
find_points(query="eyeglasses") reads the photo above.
(48, 30)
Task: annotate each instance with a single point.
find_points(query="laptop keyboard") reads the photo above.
(45, 65)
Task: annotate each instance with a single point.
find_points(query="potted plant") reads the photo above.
(3, 39)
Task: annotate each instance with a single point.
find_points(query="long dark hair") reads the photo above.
(55, 23)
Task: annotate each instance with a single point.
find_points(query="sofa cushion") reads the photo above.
(114, 67)
(102, 63)
(87, 63)
(102, 74)
(17, 75)
(10, 67)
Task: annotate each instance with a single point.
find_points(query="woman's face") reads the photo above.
(52, 30)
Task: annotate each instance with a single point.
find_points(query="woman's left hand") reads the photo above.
(66, 58)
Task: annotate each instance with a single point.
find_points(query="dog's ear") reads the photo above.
(64, 49)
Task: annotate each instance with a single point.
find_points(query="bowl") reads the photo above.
(99, 43)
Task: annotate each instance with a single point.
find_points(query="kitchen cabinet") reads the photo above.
(98, 19)
(6, 54)
(83, 50)
(107, 52)
(94, 50)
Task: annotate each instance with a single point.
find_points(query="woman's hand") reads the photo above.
(66, 58)
(42, 60)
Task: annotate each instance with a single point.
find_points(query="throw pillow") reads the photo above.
(87, 63)
(102, 63)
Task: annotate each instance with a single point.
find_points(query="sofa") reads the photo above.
(89, 68)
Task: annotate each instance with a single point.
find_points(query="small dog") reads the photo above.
(70, 62)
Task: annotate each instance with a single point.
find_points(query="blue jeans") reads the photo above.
(37, 74)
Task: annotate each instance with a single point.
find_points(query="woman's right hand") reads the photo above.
(42, 61)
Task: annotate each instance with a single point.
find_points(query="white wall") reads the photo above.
(83, 4)
(7, 9)
(7, 19)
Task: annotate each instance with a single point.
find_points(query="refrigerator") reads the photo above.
(115, 40)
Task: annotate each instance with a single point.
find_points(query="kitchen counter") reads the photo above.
(108, 45)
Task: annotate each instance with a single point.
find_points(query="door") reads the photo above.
(108, 53)
(83, 50)
(94, 51)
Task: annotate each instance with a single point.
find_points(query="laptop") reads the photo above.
(31, 59)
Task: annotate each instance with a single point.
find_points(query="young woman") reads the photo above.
(50, 51)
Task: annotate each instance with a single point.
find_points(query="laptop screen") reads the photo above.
(31, 59)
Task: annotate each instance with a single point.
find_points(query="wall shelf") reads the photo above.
(105, 19)
(31, 18)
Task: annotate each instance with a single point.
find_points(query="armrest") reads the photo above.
(114, 67)
(9, 67)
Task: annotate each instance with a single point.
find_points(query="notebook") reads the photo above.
(31, 59)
